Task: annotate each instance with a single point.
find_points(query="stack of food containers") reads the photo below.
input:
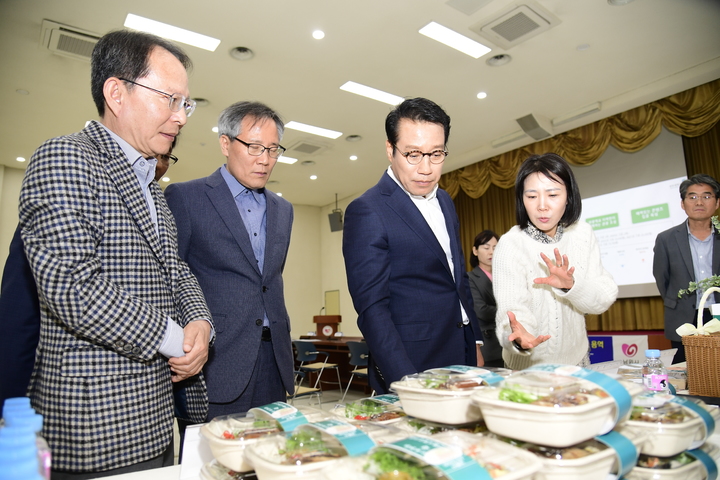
(383, 409)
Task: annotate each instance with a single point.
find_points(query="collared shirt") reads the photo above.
(252, 206)
(429, 207)
(702, 254)
(144, 169)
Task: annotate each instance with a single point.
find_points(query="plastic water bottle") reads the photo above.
(18, 454)
(654, 374)
(19, 415)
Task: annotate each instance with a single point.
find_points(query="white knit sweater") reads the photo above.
(545, 310)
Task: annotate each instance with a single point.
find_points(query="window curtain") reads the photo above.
(484, 192)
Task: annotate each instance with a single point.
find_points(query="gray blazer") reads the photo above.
(673, 271)
(107, 282)
(215, 243)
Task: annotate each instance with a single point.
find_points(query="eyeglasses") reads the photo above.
(176, 101)
(704, 198)
(255, 149)
(172, 158)
(414, 157)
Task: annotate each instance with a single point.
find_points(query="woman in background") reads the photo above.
(482, 294)
(547, 270)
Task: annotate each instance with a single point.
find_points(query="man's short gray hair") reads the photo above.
(231, 118)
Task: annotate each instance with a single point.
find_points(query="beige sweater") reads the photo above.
(542, 309)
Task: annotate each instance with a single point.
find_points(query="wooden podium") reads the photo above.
(327, 325)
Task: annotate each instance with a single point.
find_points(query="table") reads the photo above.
(338, 353)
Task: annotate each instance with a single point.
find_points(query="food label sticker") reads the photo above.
(389, 399)
(625, 451)
(489, 377)
(704, 415)
(449, 459)
(707, 461)
(355, 441)
(285, 414)
(622, 398)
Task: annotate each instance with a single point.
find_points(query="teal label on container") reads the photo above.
(625, 451)
(704, 415)
(621, 397)
(449, 459)
(355, 441)
(285, 414)
(488, 377)
(388, 398)
(604, 221)
(648, 214)
(707, 461)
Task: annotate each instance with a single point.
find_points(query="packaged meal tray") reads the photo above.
(443, 398)
(449, 455)
(491, 374)
(228, 435)
(698, 464)
(414, 425)
(214, 470)
(370, 410)
(672, 423)
(313, 446)
(554, 409)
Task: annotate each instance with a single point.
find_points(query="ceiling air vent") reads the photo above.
(68, 41)
(516, 24)
(306, 148)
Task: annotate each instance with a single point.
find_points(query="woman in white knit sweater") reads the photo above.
(547, 272)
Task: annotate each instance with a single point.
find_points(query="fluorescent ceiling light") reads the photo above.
(372, 93)
(323, 132)
(288, 160)
(453, 39)
(172, 33)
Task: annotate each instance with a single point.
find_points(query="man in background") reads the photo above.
(122, 317)
(403, 257)
(235, 234)
(686, 253)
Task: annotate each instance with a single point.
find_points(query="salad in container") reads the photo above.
(554, 409)
(229, 435)
(449, 455)
(370, 410)
(313, 446)
(414, 425)
(698, 464)
(440, 397)
(673, 424)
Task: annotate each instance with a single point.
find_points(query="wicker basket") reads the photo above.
(703, 357)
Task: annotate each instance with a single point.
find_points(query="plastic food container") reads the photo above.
(441, 398)
(548, 409)
(370, 410)
(472, 371)
(670, 427)
(229, 435)
(417, 426)
(311, 447)
(420, 455)
(684, 466)
(214, 470)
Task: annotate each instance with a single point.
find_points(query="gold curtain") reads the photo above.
(484, 195)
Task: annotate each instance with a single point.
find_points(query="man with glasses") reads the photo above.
(122, 316)
(686, 253)
(235, 233)
(403, 258)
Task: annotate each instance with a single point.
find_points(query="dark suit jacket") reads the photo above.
(215, 243)
(19, 322)
(107, 283)
(402, 288)
(673, 271)
(485, 310)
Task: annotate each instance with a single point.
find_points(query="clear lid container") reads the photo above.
(574, 452)
(471, 371)
(368, 409)
(657, 408)
(630, 371)
(214, 470)
(425, 427)
(449, 382)
(543, 388)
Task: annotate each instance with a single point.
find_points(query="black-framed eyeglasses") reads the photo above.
(414, 157)
(172, 158)
(176, 102)
(256, 149)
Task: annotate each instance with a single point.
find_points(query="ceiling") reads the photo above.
(618, 56)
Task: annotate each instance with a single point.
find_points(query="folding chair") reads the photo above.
(301, 391)
(306, 352)
(359, 359)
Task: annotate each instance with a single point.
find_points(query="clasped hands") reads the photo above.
(196, 341)
(560, 276)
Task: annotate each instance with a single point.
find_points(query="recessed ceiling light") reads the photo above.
(498, 60)
(453, 39)
(170, 32)
(313, 177)
(215, 130)
(482, 95)
(20, 159)
(353, 138)
(307, 163)
(373, 93)
(323, 132)
(278, 194)
(353, 157)
(241, 53)
(165, 179)
(318, 34)
(288, 160)
(201, 102)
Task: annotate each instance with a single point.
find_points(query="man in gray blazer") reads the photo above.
(686, 253)
(235, 234)
(122, 317)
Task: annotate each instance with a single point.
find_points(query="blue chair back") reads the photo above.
(306, 351)
(359, 352)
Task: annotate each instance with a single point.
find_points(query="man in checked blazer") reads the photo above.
(686, 253)
(122, 316)
(235, 234)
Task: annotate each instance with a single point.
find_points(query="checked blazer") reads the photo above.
(107, 282)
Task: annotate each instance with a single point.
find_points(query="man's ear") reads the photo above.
(114, 93)
(225, 145)
(390, 150)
